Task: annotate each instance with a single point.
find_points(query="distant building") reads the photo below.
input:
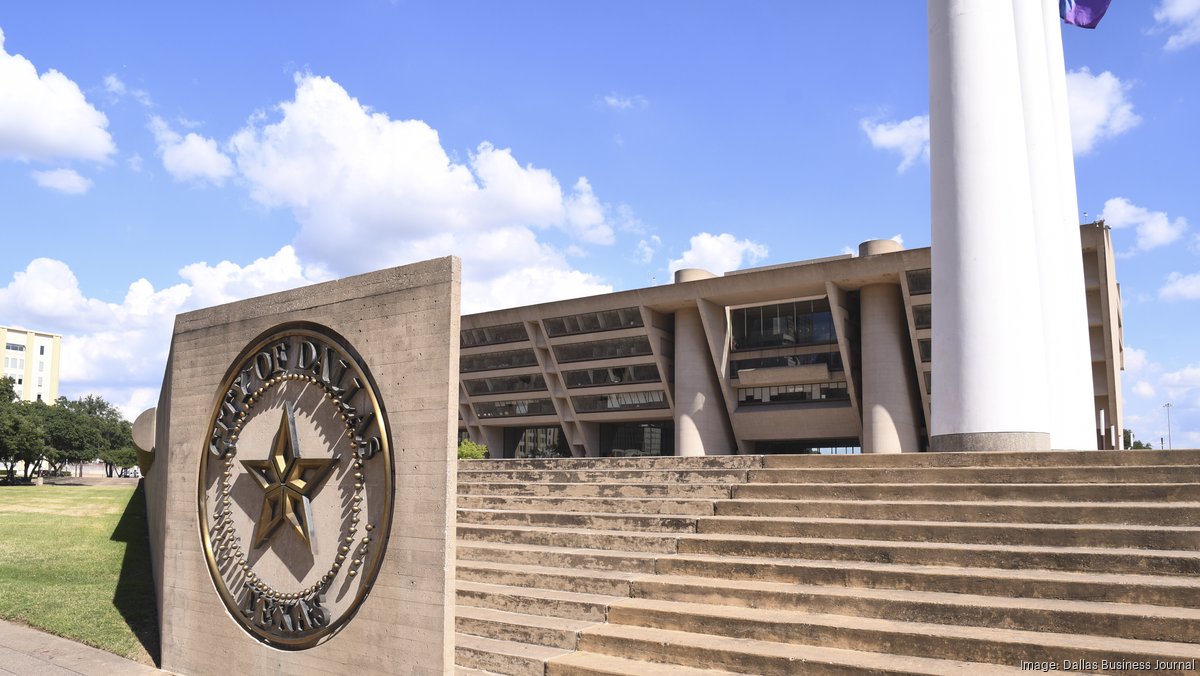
(825, 355)
(31, 359)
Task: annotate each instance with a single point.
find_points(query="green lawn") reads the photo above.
(74, 561)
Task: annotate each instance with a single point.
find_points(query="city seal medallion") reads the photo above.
(296, 486)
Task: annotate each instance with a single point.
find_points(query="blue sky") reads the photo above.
(156, 159)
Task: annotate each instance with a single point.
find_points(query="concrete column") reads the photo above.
(888, 386)
(1056, 214)
(700, 424)
(987, 328)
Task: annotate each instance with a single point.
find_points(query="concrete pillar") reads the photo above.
(888, 386)
(987, 329)
(1056, 215)
(700, 424)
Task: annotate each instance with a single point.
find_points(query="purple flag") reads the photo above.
(1083, 13)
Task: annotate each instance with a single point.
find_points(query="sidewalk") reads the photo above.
(29, 652)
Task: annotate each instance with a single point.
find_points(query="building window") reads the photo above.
(42, 350)
(832, 359)
(536, 442)
(620, 375)
(493, 335)
(922, 316)
(619, 401)
(929, 382)
(591, 322)
(808, 446)
(39, 381)
(807, 322)
(634, 346)
(793, 394)
(41, 366)
(15, 347)
(926, 348)
(919, 282)
(531, 382)
(514, 408)
(492, 361)
(622, 440)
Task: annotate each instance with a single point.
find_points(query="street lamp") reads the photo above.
(1168, 407)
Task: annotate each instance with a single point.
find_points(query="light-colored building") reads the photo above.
(31, 359)
(825, 355)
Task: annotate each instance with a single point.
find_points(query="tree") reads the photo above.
(21, 438)
(1132, 443)
(469, 450)
(124, 458)
(115, 430)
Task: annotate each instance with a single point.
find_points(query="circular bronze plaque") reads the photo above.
(295, 490)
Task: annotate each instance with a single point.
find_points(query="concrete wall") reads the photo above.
(404, 323)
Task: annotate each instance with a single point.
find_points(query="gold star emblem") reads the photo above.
(288, 482)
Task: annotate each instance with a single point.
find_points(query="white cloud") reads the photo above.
(120, 349)
(1099, 109)
(191, 157)
(1181, 287)
(117, 90)
(718, 253)
(353, 175)
(1143, 389)
(1183, 17)
(46, 117)
(1154, 228)
(619, 102)
(1185, 378)
(63, 180)
(910, 138)
(646, 248)
(1136, 360)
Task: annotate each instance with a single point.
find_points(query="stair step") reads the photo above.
(765, 658)
(605, 475)
(535, 601)
(634, 505)
(989, 459)
(558, 557)
(623, 490)
(973, 491)
(999, 533)
(1152, 562)
(1124, 620)
(939, 641)
(1005, 475)
(502, 657)
(595, 664)
(580, 538)
(1156, 590)
(600, 582)
(645, 462)
(552, 632)
(591, 520)
(1136, 513)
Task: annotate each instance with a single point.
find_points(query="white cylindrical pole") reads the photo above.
(986, 339)
(1064, 300)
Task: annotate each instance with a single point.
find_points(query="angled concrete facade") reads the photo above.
(826, 355)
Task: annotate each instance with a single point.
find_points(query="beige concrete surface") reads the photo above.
(28, 652)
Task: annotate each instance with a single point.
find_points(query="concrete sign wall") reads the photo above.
(301, 479)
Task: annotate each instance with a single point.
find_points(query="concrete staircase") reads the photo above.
(932, 563)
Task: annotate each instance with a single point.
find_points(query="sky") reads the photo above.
(158, 158)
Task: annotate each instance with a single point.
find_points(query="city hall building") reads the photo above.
(826, 355)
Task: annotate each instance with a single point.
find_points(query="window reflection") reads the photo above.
(634, 346)
(807, 322)
(530, 382)
(491, 361)
(513, 408)
(919, 282)
(493, 335)
(793, 394)
(619, 401)
(620, 375)
(589, 322)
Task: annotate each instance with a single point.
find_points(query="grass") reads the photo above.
(74, 561)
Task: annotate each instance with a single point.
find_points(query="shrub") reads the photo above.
(469, 450)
